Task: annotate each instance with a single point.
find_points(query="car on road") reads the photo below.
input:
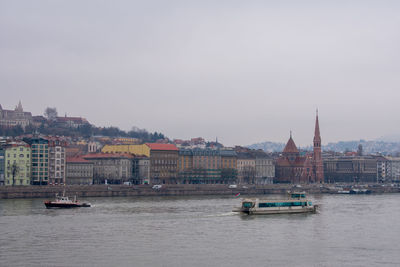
(157, 186)
(232, 186)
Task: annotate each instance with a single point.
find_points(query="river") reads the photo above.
(349, 230)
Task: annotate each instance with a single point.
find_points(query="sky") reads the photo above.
(242, 71)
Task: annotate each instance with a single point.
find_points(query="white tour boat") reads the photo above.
(296, 203)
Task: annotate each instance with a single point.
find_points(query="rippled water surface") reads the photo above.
(349, 230)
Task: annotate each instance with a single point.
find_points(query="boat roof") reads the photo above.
(275, 200)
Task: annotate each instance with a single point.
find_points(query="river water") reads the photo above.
(349, 230)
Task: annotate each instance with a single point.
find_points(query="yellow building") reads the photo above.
(127, 140)
(137, 150)
(82, 143)
(17, 164)
(185, 160)
(228, 159)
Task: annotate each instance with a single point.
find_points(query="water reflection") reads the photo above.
(198, 231)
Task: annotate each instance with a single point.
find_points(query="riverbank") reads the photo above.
(177, 190)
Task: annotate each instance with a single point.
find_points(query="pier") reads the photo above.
(10, 192)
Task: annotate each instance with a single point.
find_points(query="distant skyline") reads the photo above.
(245, 72)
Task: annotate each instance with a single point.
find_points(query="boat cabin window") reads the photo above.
(298, 195)
(247, 204)
(282, 204)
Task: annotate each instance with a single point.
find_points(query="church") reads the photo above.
(291, 167)
(12, 118)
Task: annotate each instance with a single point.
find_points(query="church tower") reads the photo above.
(318, 166)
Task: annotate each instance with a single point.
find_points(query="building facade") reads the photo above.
(163, 163)
(293, 168)
(137, 150)
(2, 166)
(39, 160)
(387, 169)
(265, 170)
(79, 171)
(17, 164)
(350, 169)
(143, 171)
(57, 159)
(393, 169)
(111, 168)
(199, 166)
(246, 168)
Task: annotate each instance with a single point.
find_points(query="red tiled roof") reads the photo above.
(77, 160)
(290, 147)
(76, 119)
(298, 162)
(156, 146)
(107, 155)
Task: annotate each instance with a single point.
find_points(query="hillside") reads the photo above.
(369, 147)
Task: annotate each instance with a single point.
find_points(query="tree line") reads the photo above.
(86, 131)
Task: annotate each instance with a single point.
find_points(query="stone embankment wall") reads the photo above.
(166, 190)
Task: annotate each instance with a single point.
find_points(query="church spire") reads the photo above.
(317, 135)
(318, 168)
(19, 107)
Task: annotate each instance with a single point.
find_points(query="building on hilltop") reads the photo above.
(12, 118)
(291, 167)
(71, 122)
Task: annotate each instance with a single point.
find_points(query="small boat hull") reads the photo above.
(251, 211)
(53, 204)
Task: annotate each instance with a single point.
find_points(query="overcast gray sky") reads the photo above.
(245, 71)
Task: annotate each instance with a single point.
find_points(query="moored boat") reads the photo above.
(296, 203)
(64, 202)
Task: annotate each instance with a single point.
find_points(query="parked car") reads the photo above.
(232, 186)
(157, 186)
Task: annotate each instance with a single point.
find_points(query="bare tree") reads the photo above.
(51, 113)
(14, 172)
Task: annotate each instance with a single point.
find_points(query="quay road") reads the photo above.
(7, 192)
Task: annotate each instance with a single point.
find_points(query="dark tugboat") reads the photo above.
(64, 202)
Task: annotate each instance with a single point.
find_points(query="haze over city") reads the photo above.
(244, 72)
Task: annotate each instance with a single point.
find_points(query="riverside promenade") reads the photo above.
(10, 192)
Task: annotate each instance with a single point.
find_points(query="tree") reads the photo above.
(14, 172)
(51, 113)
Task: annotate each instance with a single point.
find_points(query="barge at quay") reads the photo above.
(296, 203)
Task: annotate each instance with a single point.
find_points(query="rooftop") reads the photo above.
(167, 147)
